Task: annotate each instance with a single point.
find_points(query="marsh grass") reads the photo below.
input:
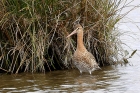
(33, 33)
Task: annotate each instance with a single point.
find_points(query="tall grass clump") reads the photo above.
(33, 33)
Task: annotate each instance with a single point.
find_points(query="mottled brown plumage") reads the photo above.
(83, 59)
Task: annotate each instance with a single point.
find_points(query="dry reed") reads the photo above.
(33, 33)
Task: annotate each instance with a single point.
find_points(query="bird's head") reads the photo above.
(77, 29)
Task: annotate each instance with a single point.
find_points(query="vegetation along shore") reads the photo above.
(33, 33)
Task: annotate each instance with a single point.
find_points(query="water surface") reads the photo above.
(113, 79)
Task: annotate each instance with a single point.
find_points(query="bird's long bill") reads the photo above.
(75, 31)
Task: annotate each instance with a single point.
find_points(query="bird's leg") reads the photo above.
(90, 72)
(80, 71)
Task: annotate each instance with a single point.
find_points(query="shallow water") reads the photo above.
(116, 79)
(111, 79)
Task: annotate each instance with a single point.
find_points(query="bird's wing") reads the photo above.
(92, 58)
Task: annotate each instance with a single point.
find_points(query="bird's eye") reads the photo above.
(77, 29)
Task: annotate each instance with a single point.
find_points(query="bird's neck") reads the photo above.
(80, 43)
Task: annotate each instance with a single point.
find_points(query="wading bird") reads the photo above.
(83, 59)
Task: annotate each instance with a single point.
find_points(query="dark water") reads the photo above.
(111, 79)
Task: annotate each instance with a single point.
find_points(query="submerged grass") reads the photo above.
(33, 33)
